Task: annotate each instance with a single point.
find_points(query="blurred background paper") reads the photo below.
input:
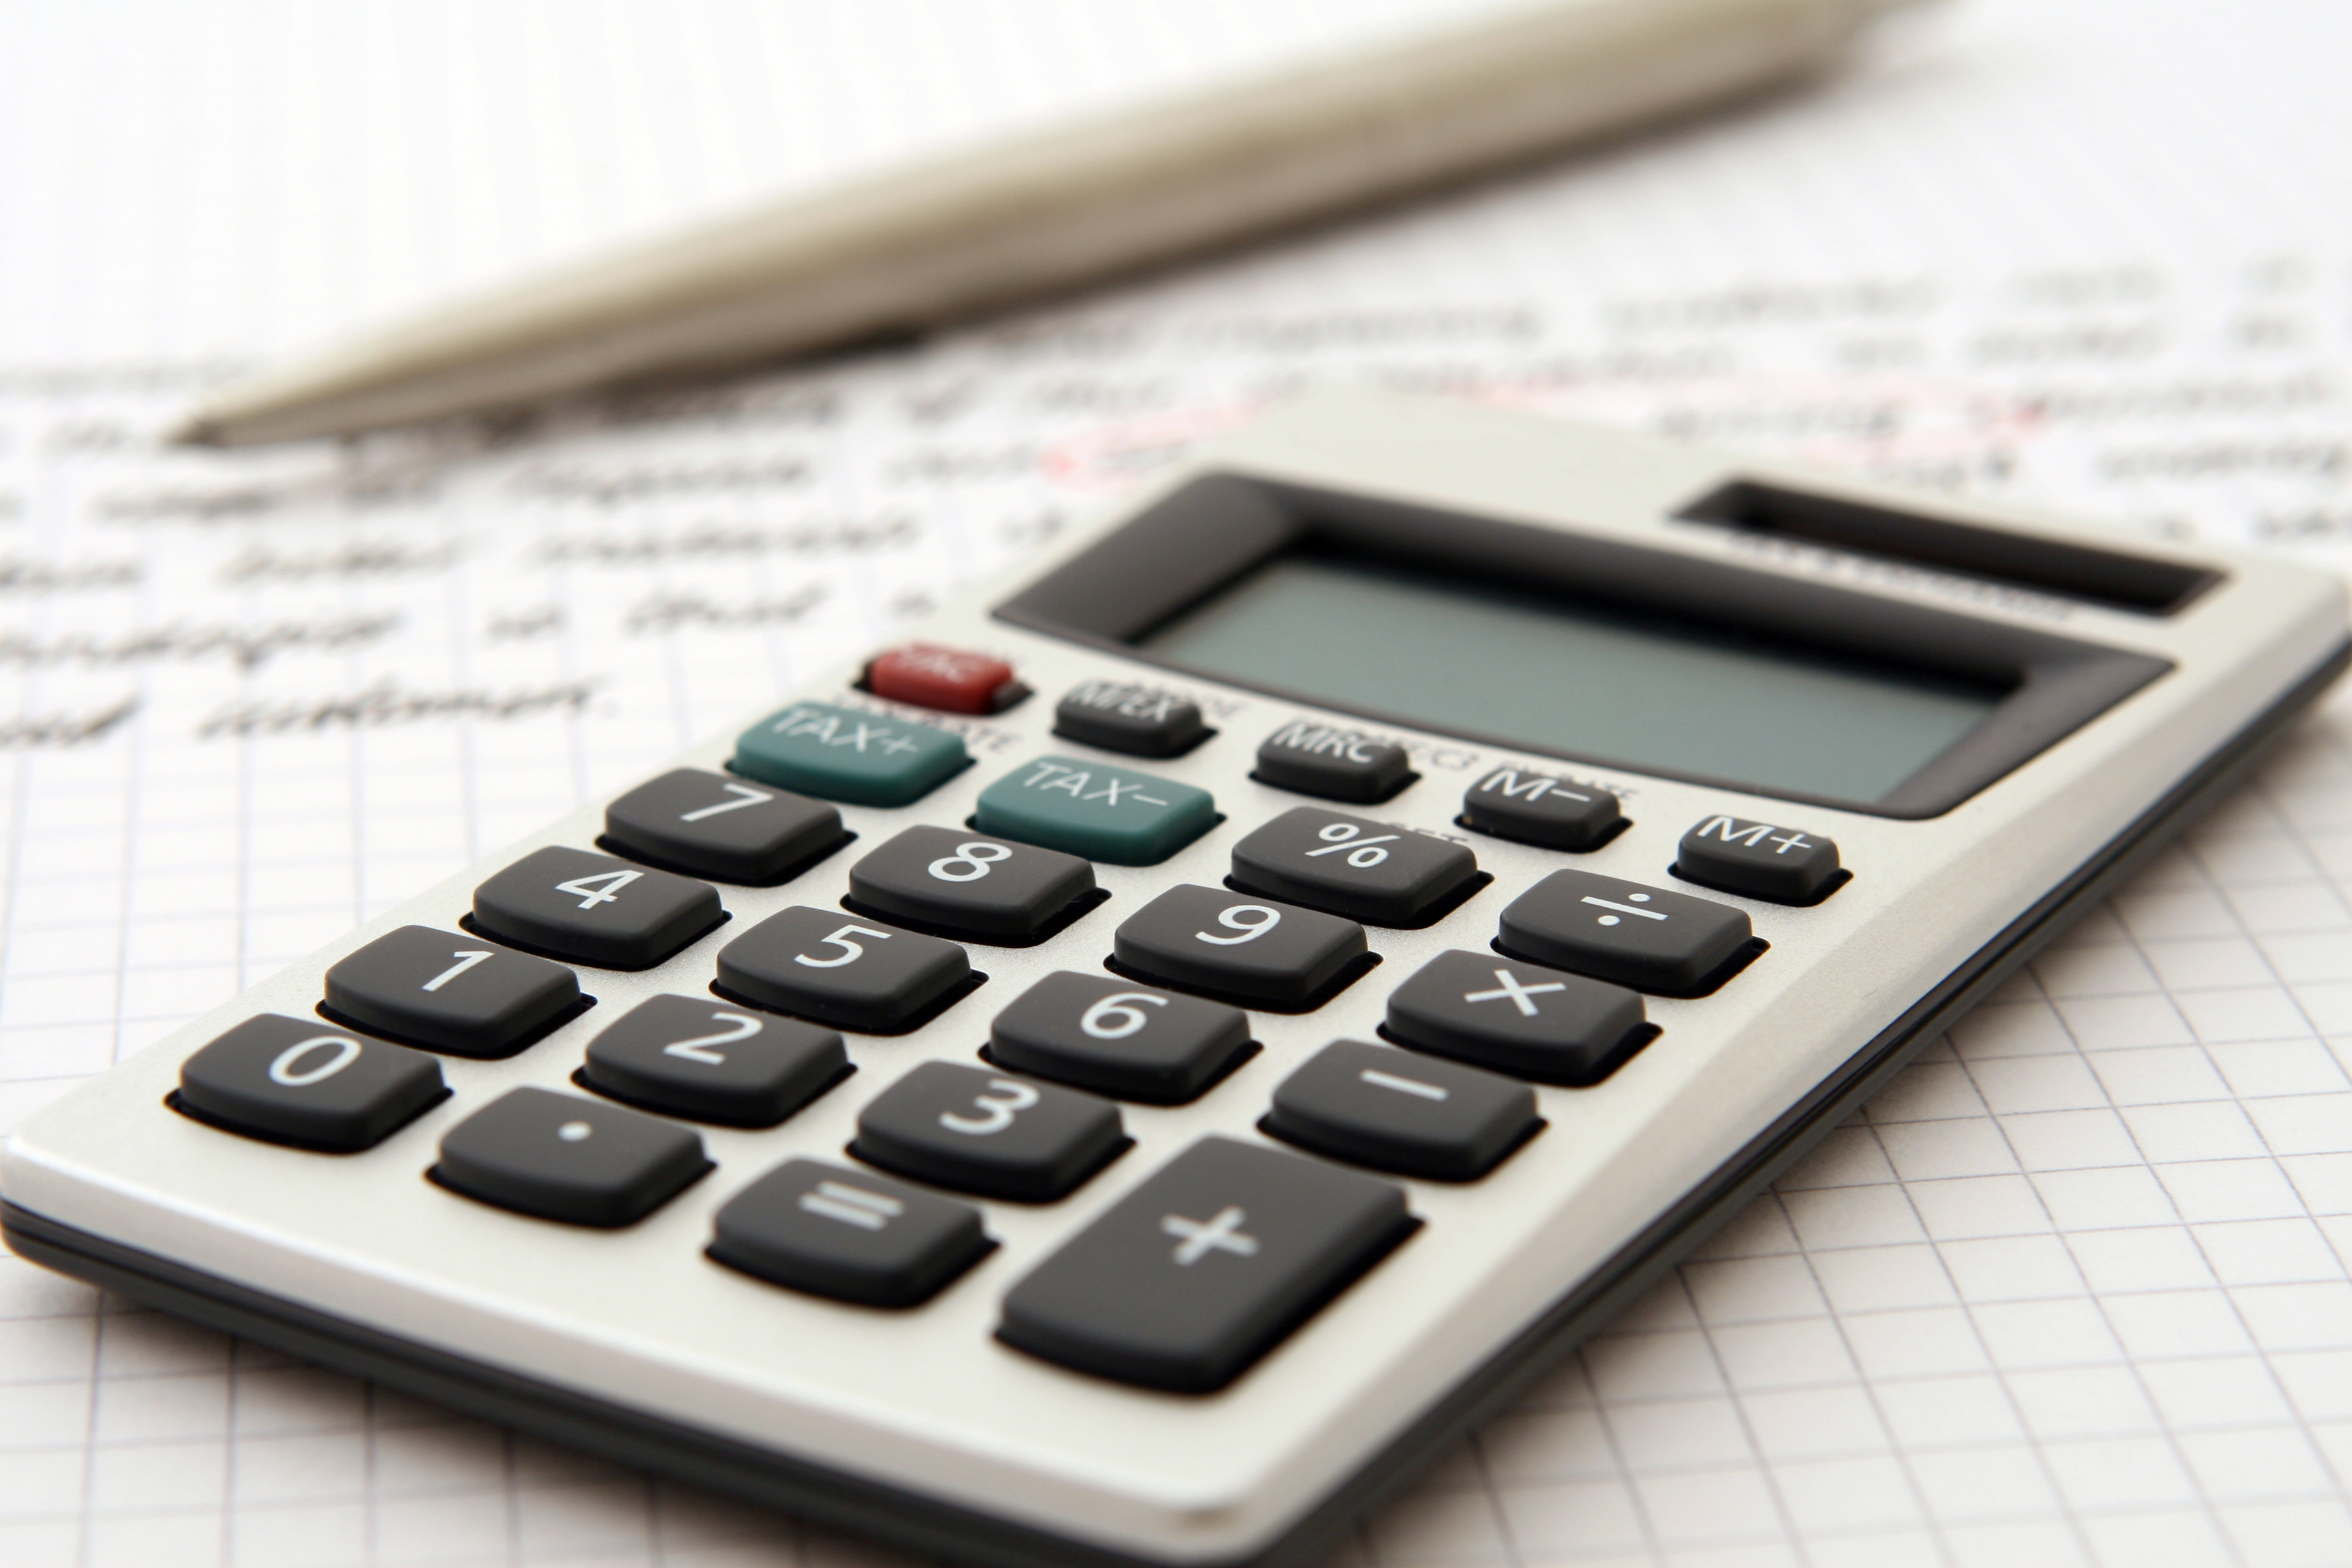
(2074, 1292)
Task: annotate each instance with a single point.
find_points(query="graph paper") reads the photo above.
(2073, 1291)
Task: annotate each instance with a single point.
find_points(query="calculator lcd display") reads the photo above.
(1559, 675)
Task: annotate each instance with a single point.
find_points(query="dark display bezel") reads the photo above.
(1202, 538)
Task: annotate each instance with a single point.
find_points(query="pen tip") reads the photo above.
(198, 431)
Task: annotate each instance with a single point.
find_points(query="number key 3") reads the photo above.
(980, 1131)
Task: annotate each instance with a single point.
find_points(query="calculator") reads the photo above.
(1131, 1072)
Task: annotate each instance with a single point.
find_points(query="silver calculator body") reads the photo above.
(2121, 684)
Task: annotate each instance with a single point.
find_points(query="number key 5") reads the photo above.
(845, 972)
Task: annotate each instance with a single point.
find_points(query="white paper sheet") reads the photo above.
(2074, 1291)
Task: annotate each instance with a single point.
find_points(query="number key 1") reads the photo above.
(696, 1056)
(451, 991)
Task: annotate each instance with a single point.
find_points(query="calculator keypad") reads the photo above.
(1238, 946)
(698, 1057)
(1204, 1267)
(840, 753)
(591, 909)
(842, 970)
(451, 991)
(1351, 865)
(850, 1235)
(710, 825)
(1101, 1033)
(1369, 1105)
(968, 886)
(1644, 937)
(292, 1081)
(566, 1157)
(1531, 1022)
(980, 1131)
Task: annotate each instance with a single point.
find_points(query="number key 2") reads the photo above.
(695, 1057)
(591, 909)
(1348, 865)
(451, 992)
(980, 1131)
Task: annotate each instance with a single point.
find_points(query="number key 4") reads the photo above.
(591, 909)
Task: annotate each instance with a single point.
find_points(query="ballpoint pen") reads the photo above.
(1038, 213)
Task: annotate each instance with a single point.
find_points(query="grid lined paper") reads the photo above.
(2073, 1289)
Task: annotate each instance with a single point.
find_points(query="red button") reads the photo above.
(947, 678)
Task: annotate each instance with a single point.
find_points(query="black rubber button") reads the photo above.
(983, 890)
(1536, 808)
(1335, 763)
(1395, 1111)
(1206, 1267)
(1520, 1018)
(566, 1157)
(1348, 865)
(1644, 937)
(586, 908)
(980, 1132)
(1135, 720)
(1101, 1033)
(694, 1056)
(451, 991)
(293, 1080)
(843, 970)
(712, 825)
(849, 1235)
(1780, 865)
(1232, 944)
